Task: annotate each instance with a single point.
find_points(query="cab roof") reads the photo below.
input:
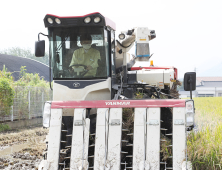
(69, 21)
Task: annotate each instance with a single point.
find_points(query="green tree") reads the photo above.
(5, 74)
(30, 79)
(6, 95)
(6, 91)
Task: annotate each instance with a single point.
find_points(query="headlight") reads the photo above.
(190, 113)
(47, 114)
(97, 19)
(50, 20)
(87, 20)
(58, 21)
(189, 106)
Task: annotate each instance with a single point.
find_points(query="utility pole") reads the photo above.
(195, 69)
(215, 92)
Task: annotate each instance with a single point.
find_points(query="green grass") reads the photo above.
(205, 145)
(4, 127)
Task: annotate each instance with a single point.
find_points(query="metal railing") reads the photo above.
(28, 103)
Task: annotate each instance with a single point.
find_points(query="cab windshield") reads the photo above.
(73, 58)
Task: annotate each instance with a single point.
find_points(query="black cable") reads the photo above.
(124, 46)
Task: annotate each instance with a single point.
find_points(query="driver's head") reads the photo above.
(85, 39)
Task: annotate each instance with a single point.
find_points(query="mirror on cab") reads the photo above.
(189, 81)
(40, 48)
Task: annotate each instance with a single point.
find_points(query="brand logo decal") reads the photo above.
(117, 103)
(76, 84)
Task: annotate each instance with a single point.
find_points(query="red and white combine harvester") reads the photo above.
(95, 80)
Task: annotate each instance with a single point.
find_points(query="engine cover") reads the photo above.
(155, 77)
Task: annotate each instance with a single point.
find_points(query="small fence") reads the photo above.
(28, 103)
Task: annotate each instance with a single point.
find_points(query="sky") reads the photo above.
(188, 32)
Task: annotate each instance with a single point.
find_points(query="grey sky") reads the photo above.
(189, 32)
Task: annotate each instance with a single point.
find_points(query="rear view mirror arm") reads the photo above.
(42, 34)
(190, 87)
(49, 60)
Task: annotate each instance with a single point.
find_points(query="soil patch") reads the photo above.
(22, 149)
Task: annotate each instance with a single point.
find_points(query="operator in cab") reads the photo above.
(86, 56)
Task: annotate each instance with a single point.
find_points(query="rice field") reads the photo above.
(205, 142)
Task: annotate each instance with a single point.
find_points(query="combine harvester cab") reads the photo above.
(95, 120)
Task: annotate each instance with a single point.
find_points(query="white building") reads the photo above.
(205, 87)
(209, 86)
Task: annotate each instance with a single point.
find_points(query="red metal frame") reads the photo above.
(74, 16)
(119, 103)
(108, 21)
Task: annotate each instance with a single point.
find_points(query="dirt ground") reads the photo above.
(22, 149)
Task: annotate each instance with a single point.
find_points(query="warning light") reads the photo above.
(151, 63)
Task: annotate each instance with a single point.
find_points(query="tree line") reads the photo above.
(26, 53)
